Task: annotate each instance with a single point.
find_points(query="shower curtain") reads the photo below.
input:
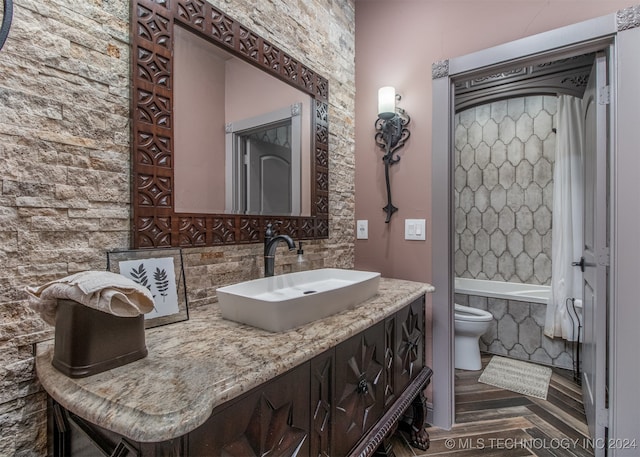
(566, 236)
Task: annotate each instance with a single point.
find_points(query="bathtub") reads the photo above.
(506, 290)
(518, 328)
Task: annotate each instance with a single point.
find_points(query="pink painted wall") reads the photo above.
(198, 104)
(396, 43)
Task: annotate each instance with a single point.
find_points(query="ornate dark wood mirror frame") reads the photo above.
(155, 223)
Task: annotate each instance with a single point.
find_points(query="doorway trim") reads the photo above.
(571, 40)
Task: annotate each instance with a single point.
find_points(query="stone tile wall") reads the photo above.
(517, 331)
(504, 156)
(65, 181)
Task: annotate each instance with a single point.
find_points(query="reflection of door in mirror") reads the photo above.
(268, 169)
(212, 91)
(263, 163)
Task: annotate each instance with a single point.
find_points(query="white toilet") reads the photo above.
(470, 325)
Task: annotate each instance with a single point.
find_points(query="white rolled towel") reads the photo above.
(101, 290)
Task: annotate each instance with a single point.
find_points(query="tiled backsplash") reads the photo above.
(517, 331)
(504, 156)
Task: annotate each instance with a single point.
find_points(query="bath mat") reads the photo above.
(517, 376)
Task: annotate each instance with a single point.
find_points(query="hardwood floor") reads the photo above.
(496, 422)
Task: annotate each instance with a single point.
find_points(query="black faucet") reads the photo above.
(270, 244)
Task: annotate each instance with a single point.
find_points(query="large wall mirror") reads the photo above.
(229, 132)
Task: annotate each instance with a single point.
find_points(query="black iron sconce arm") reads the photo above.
(6, 21)
(391, 135)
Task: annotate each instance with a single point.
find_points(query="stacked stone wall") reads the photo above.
(65, 155)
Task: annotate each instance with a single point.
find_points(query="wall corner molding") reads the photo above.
(440, 69)
(628, 18)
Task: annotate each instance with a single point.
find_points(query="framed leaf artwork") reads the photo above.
(162, 272)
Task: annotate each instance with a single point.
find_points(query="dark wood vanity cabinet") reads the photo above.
(270, 420)
(344, 401)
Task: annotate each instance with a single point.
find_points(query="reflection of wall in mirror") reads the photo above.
(213, 100)
(198, 104)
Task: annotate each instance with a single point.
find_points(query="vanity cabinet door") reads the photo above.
(359, 388)
(270, 420)
(408, 349)
(322, 394)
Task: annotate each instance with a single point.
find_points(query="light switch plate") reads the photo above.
(415, 229)
(362, 230)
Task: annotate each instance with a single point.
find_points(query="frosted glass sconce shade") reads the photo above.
(386, 102)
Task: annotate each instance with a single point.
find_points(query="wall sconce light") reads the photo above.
(391, 134)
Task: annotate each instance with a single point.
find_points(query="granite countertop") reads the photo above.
(196, 365)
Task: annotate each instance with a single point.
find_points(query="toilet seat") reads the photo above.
(466, 313)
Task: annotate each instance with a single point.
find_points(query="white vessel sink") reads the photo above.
(281, 302)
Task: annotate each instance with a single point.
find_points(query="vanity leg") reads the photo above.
(416, 422)
(61, 433)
